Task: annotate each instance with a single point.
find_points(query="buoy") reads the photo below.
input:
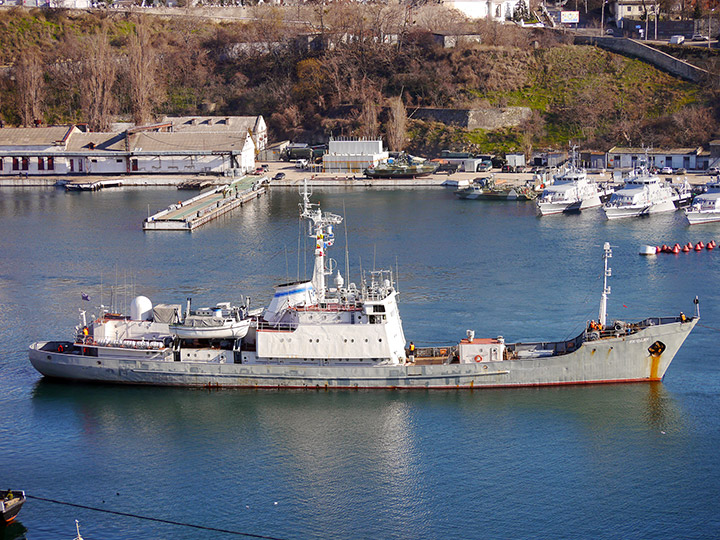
(664, 248)
(648, 250)
(689, 245)
(697, 247)
(710, 247)
(700, 243)
(676, 249)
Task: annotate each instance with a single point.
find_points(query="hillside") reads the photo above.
(96, 67)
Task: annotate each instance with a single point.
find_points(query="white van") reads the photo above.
(677, 40)
(301, 164)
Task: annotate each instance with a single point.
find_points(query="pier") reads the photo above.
(192, 213)
(93, 185)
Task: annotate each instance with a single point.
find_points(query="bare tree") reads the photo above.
(30, 86)
(142, 77)
(368, 119)
(97, 78)
(396, 127)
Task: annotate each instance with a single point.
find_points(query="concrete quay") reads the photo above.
(209, 205)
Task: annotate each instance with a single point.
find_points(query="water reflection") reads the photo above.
(15, 531)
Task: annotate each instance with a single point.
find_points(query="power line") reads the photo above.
(158, 520)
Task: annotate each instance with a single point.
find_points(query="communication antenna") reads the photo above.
(606, 288)
(347, 252)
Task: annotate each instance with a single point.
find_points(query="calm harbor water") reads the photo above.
(608, 461)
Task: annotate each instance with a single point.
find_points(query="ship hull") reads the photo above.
(695, 218)
(607, 360)
(553, 208)
(618, 212)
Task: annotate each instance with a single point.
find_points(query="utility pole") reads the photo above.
(656, 16)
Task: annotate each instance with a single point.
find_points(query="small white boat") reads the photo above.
(644, 194)
(220, 322)
(705, 208)
(457, 183)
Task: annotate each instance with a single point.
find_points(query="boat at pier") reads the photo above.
(644, 194)
(571, 191)
(324, 333)
(490, 190)
(705, 208)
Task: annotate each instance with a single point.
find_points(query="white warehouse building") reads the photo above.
(352, 155)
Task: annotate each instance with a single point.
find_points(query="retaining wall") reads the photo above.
(637, 49)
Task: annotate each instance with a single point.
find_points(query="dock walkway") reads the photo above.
(190, 214)
(93, 185)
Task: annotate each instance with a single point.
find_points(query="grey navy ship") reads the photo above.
(323, 333)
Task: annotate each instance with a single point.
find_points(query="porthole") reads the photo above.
(317, 341)
(380, 340)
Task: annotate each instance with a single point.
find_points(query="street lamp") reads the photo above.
(710, 26)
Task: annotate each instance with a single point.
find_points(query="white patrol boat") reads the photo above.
(316, 336)
(643, 194)
(571, 191)
(705, 208)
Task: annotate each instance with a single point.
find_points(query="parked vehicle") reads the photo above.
(699, 37)
(279, 176)
(484, 167)
(680, 170)
(666, 170)
(677, 40)
(712, 171)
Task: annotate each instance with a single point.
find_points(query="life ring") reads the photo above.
(478, 358)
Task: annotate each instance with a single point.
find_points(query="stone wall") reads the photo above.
(488, 118)
(637, 49)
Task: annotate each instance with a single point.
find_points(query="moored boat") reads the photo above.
(316, 334)
(488, 189)
(571, 191)
(705, 208)
(11, 501)
(644, 194)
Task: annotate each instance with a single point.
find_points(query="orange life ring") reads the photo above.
(478, 358)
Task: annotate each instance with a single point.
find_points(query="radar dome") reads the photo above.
(141, 309)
